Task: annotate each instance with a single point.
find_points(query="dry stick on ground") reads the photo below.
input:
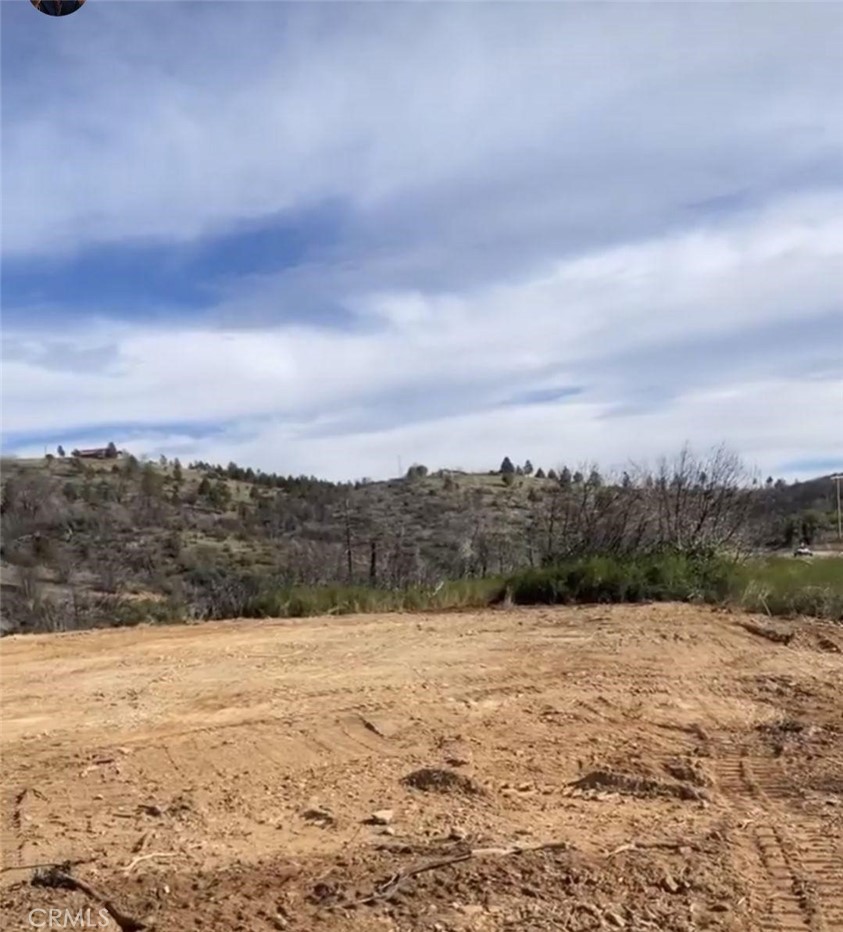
(146, 857)
(141, 843)
(32, 867)
(771, 634)
(640, 845)
(389, 887)
(522, 849)
(58, 878)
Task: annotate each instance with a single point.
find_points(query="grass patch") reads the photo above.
(778, 586)
(304, 601)
(657, 578)
(788, 587)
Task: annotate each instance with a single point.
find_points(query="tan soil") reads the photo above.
(688, 772)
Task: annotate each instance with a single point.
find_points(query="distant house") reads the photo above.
(97, 453)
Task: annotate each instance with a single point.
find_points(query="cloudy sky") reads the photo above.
(319, 237)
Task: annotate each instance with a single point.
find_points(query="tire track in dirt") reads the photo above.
(802, 872)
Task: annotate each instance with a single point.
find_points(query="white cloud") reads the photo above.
(283, 382)
(173, 124)
(528, 197)
(770, 422)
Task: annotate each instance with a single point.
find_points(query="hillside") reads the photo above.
(87, 542)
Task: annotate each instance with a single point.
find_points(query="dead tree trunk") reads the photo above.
(373, 563)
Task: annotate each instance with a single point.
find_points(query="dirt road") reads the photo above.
(660, 767)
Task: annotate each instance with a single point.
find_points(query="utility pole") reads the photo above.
(837, 479)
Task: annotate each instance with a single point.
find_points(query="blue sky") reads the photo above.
(319, 237)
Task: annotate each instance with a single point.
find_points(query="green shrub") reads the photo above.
(661, 577)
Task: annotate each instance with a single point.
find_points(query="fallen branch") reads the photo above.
(60, 878)
(521, 849)
(770, 634)
(146, 857)
(65, 865)
(641, 845)
(389, 887)
(141, 843)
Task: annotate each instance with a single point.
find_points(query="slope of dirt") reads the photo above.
(651, 767)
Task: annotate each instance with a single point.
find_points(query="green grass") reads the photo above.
(790, 587)
(779, 586)
(303, 601)
(656, 578)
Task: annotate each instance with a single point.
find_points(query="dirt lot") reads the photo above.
(653, 767)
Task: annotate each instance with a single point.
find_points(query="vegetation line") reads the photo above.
(103, 539)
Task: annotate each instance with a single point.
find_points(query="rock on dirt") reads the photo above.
(381, 817)
(436, 780)
(630, 785)
(687, 771)
(319, 817)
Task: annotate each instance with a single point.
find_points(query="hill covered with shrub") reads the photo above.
(91, 542)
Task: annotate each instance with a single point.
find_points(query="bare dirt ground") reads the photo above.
(654, 767)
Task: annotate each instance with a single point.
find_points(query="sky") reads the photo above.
(340, 238)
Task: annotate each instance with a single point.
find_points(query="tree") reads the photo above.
(417, 471)
(552, 474)
(540, 473)
(204, 488)
(60, 450)
(565, 478)
(162, 461)
(111, 450)
(528, 468)
(150, 483)
(508, 478)
(578, 478)
(811, 522)
(506, 466)
(790, 530)
(595, 480)
(220, 494)
(178, 474)
(769, 483)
